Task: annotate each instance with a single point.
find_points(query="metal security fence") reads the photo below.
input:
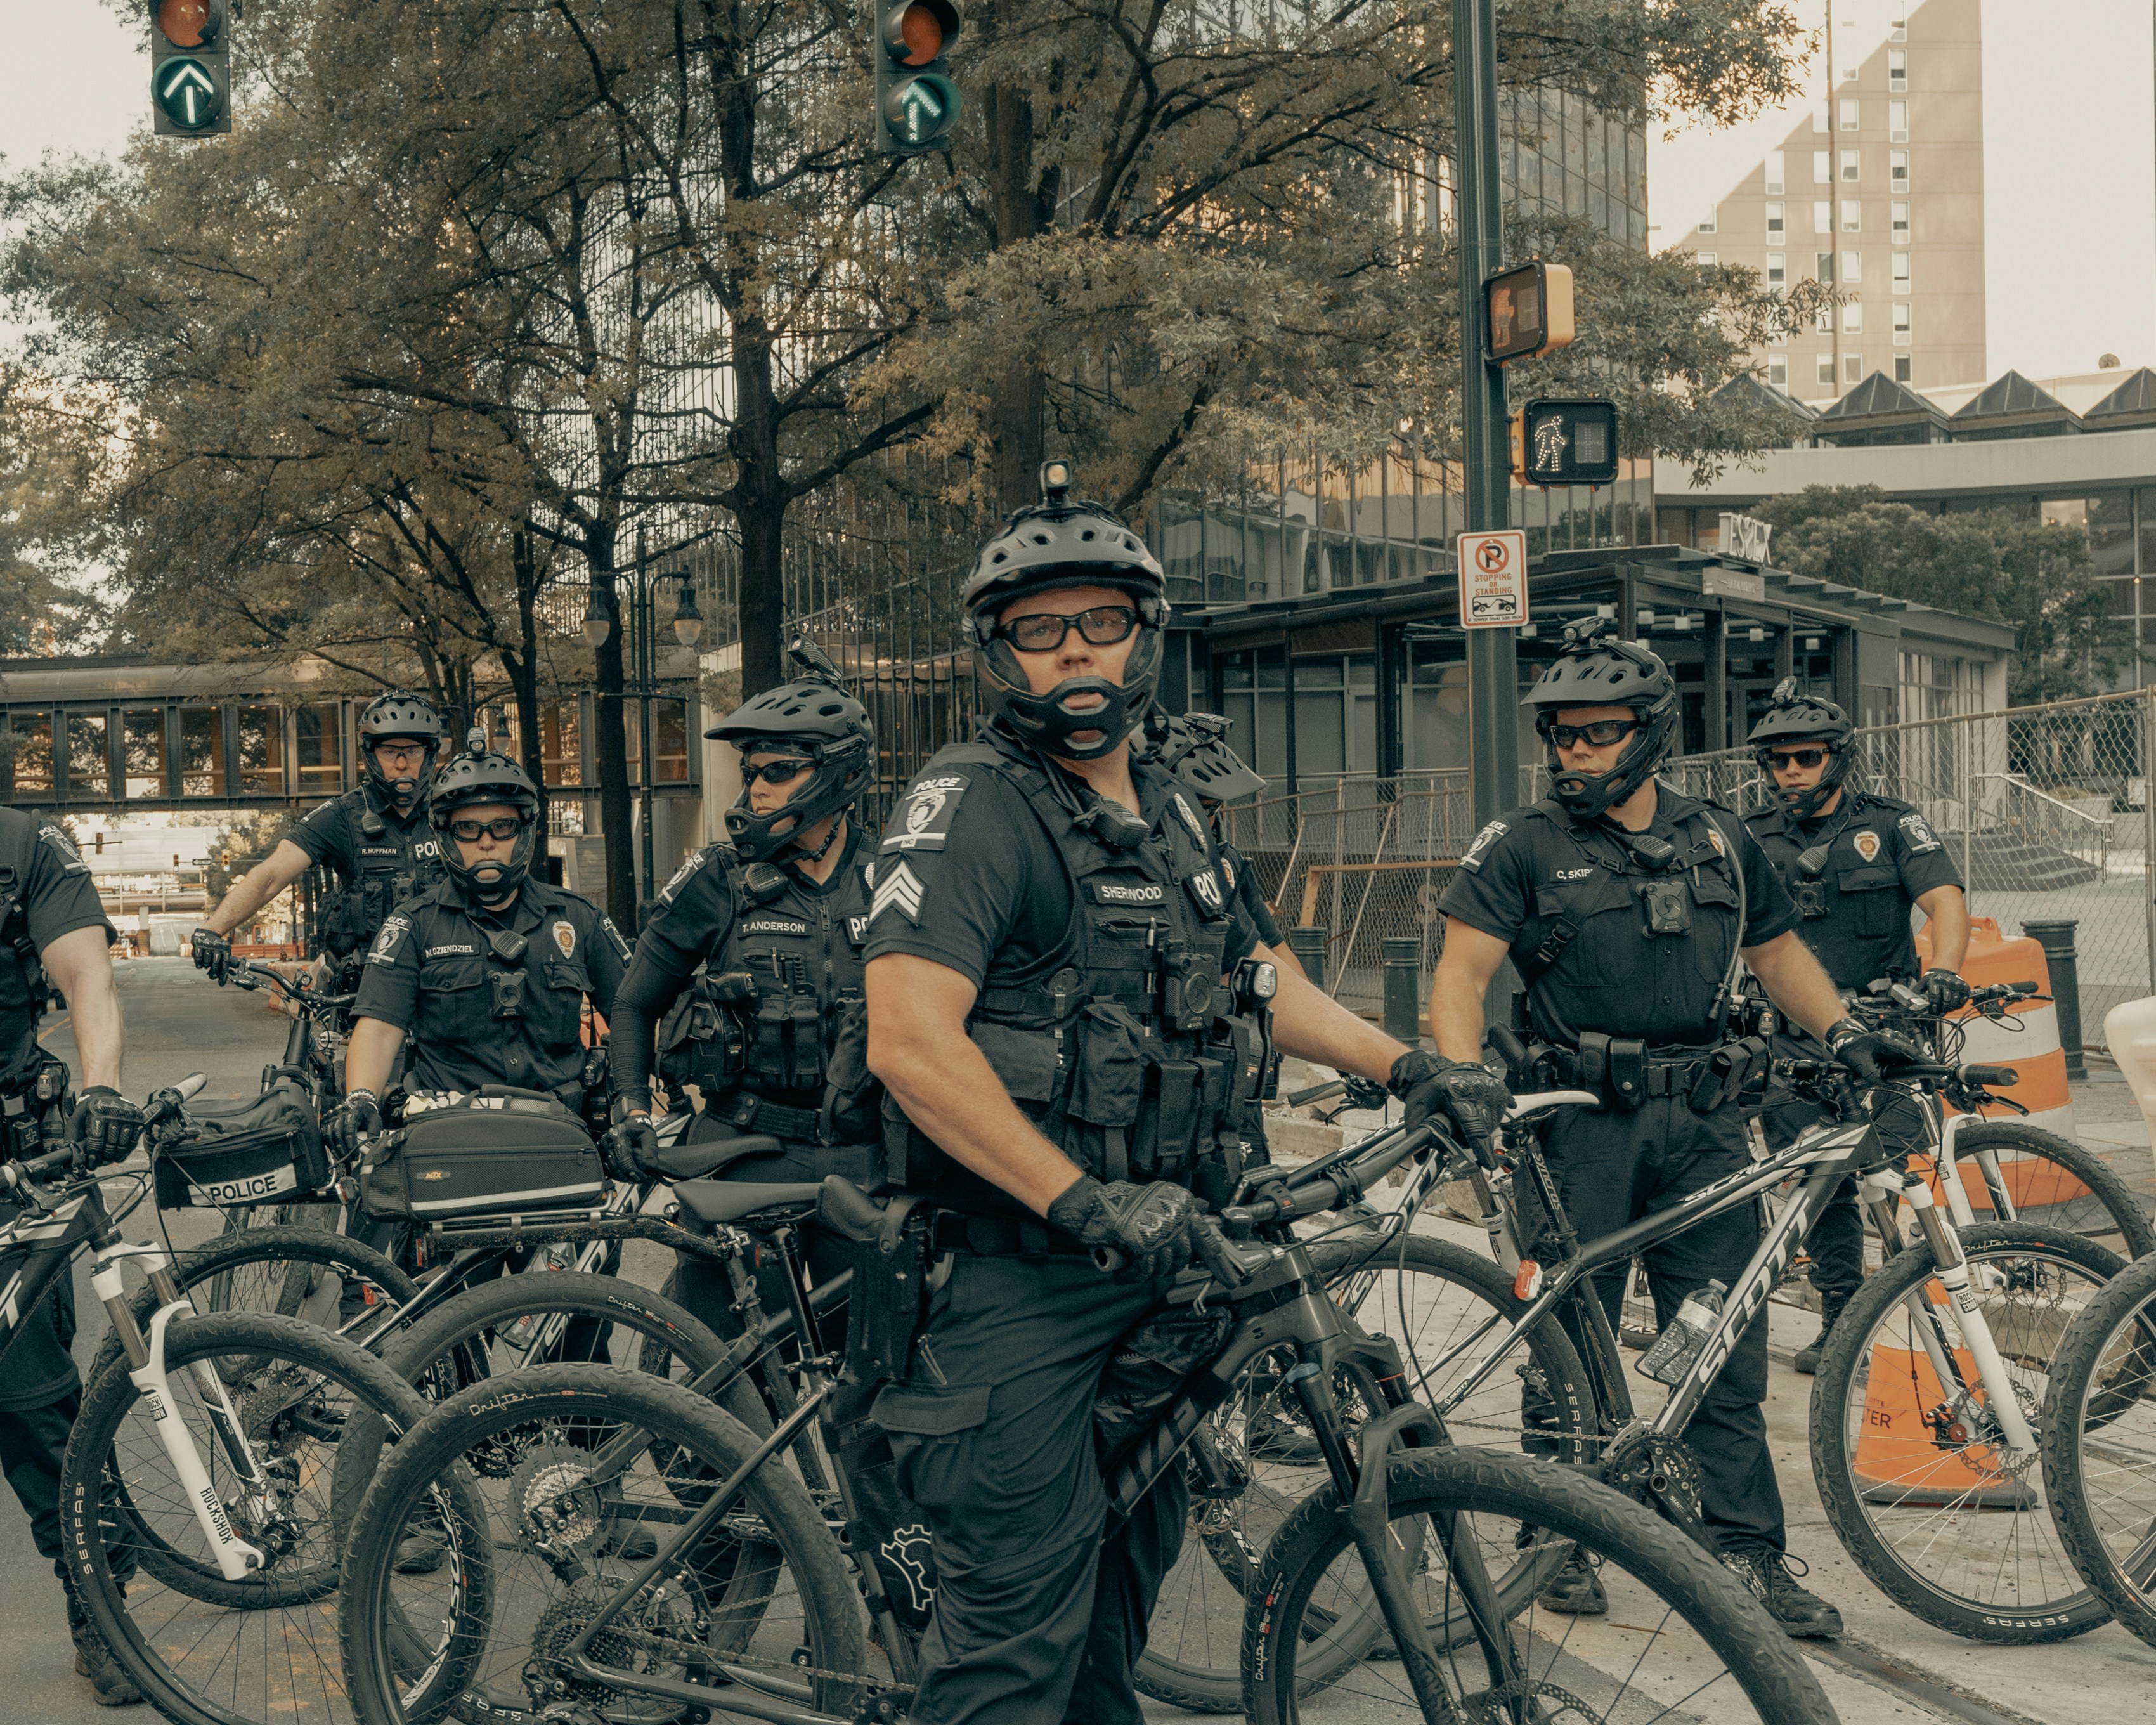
(2046, 808)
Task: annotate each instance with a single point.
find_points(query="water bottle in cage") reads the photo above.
(1677, 1349)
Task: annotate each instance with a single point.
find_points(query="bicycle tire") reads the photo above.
(1943, 1488)
(376, 1617)
(2110, 1546)
(436, 1342)
(168, 1622)
(2109, 1194)
(1572, 1513)
(1188, 1664)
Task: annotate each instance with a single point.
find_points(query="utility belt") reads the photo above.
(34, 1106)
(748, 1112)
(1003, 1237)
(1626, 1071)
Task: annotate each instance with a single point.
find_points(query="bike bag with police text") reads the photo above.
(268, 1151)
(499, 1153)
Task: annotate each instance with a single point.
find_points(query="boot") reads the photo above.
(1576, 1590)
(109, 1683)
(1800, 1612)
(1831, 1306)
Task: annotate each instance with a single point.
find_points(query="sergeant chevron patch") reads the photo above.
(900, 887)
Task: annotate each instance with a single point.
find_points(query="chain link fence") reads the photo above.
(2045, 809)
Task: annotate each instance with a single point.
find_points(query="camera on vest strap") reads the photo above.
(1809, 894)
(508, 986)
(1187, 994)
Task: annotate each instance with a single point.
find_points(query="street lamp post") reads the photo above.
(599, 620)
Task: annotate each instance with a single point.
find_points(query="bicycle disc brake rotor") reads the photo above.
(1553, 1706)
(553, 1503)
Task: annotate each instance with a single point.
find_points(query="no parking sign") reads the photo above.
(1493, 579)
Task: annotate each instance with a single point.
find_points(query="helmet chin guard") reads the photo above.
(1594, 668)
(1797, 718)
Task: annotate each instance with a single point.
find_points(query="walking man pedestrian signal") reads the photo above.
(191, 67)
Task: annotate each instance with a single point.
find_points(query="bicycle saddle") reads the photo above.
(712, 1201)
(695, 1162)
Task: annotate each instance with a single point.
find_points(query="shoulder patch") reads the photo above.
(1197, 830)
(900, 890)
(1917, 832)
(621, 947)
(1483, 841)
(59, 838)
(922, 822)
(395, 927)
(690, 863)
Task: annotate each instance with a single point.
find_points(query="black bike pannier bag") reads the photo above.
(500, 1153)
(269, 1152)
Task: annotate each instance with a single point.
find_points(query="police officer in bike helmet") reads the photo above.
(54, 933)
(749, 967)
(1063, 1011)
(1626, 906)
(375, 837)
(1854, 864)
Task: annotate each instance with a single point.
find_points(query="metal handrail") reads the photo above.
(2065, 808)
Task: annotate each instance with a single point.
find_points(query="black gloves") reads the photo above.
(104, 1124)
(1150, 1226)
(212, 953)
(1866, 1052)
(1472, 1098)
(360, 1117)
(629, 1147)
(1946, 991)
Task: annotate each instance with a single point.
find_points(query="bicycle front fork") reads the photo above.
(146, 1361)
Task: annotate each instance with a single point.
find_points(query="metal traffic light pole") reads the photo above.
(1478, 215)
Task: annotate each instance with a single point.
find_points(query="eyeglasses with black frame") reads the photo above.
(1044, 631)
(1781, 760)
(775, 772)
(507, 826)
(1599, 733)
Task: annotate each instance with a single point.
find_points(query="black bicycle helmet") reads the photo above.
(815, 718)
(1058, 542)
(1195, 748)
(483, 776)
(1795, 718)
(400, 713)
(1593, 669)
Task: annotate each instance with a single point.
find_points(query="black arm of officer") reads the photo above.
(919, 1048)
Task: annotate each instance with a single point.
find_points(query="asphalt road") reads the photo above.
(178, 1023)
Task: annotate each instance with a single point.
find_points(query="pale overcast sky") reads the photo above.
(82, 76)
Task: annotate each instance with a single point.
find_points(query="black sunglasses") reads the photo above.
(1044, 631)
(507, 827)
(1778, 759)
(775, 772)
(1601, 732)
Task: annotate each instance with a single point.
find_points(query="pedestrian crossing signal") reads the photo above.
(1565, 443)
(191, 67)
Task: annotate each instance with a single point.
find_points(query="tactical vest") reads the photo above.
(391, 868)
(1135, 1059)
(803, 951)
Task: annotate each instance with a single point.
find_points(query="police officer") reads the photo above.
(55, 934)
(1059, 1008)
(375, 836)
(765, 933)
(1854, 864)
(486, 973)
(1625, 907)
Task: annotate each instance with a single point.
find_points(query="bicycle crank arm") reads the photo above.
(235, 1557)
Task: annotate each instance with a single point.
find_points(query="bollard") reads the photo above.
(1404, 991)
(2057, 940)
(1307, 943)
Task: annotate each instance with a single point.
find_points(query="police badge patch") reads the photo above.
(923, 823)
(384, 949)
(61, 841)
(1483, 841)
(565, 937)
(1867, 844)
(693, 862)
(1917, 831)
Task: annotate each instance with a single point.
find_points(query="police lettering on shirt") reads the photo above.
(924, 823)
(393, 929)
(59, 839)
(1483, 841)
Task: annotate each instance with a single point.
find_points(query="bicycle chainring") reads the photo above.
(1660, 1472)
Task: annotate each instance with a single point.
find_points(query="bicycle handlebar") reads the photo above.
(251, 973)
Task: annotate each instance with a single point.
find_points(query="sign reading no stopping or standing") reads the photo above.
(1493, 579)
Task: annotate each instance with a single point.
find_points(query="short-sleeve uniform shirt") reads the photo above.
(333, 836)
(1536, 874)
(428, 971)
(54, 885)
(1250, 897)
(1882, 856)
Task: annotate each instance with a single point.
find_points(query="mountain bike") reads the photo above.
(191, 1491)
(737, 1601)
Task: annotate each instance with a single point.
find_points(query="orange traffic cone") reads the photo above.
(1902, 1460)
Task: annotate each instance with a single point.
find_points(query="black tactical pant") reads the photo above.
(32, 1441)
(1614, 1167)
(1038, 1619)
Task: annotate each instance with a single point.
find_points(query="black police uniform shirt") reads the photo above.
(1247, 895)
(334, 834)
(810, 936)
(430, 970)
(51, 882)
(1536, 868)
(1882, 856)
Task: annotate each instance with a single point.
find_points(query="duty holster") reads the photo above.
(889, 1301)
(1614, 1066)
(1728, 1073)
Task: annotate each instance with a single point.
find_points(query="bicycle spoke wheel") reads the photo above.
(205, 1649)
(543, 1541)
(2050, 1182)
(1256, 1458)
(2100, 1446)
(1680, 1639)
(1914, 1466)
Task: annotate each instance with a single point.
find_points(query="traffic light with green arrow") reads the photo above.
(190, 66)
(916, 105)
